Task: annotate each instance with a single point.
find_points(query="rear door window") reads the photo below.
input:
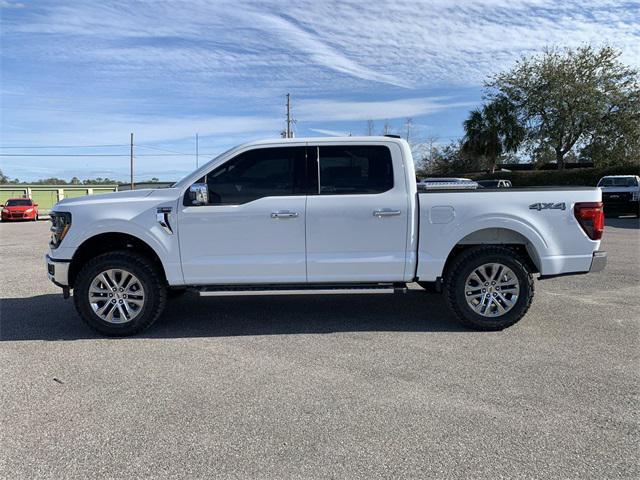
(351, 170)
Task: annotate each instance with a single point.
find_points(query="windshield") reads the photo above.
(19, 203)
(189, 174)
(618, 182)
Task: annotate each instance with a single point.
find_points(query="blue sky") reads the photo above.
(80, 73)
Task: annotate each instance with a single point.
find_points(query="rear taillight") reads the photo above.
(590, 216)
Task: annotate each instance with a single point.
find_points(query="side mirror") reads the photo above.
(199, 194)
(35, 204)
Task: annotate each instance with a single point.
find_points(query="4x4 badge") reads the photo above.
(547, 206)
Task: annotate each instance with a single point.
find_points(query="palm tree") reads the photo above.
(492, 130)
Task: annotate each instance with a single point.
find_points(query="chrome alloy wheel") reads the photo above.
(492, 289)
(116, 296)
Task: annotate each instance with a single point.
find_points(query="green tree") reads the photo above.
(492, 131)
(75, 181)
(51, 181)
(446, 160)
(3, 178)
(582, 98)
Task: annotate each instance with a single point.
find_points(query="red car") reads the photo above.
(19, 209)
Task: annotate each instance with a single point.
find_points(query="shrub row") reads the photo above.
(543, 178)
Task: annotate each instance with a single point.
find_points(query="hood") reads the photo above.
(619, 189)
(105, 197)
(18, 208)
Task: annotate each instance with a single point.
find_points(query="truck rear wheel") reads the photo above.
(119, 293)
(489, 287)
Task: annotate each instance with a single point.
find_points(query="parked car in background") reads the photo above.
(621, 194)
(321, 216)
(19, 209)
(446, 184)
(494, 183)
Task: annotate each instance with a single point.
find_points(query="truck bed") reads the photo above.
(541, 219)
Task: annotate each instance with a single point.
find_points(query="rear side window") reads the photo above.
(349, 170)
(265, 172)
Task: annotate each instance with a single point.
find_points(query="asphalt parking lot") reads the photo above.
(322, 387)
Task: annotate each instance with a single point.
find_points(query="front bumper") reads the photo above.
(623, 205)
(6, 217)
(599, 261)
(58, 271)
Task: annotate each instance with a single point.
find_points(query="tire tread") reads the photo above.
(475, 254)
(140, 261)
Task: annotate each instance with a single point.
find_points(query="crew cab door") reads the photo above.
(357, 220)
(253, 228)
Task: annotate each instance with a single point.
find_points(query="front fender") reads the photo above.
(143, 225)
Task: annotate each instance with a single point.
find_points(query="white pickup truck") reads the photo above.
(318, 216)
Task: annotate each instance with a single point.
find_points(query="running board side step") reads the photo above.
(246, 290)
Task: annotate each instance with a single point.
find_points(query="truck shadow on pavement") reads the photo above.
(633, 223)
(50, 317)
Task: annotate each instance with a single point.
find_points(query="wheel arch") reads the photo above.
(108, 242)
(500, 236)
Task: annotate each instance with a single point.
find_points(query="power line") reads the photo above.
(65, 146)
(161, 149)
(96, 155)
(60, 155)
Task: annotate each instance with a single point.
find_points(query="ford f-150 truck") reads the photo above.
(318, 216)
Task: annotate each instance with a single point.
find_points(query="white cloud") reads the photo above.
(338, 110)
(325, 44)
(98, 128)
(329, 133)
(8, 4)
(91, 72)
(318, 51)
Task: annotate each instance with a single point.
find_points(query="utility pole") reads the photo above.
(288, 115)
(409, 125)
(196, 150)
(431, 151)
(131, 158)
(370, 127)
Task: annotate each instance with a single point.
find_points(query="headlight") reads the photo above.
(635, 197)
(5, 210)
(60, 223)
(28, 210)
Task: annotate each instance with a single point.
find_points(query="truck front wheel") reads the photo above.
(489, 287)
(119, 293)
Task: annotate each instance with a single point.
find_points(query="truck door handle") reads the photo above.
(284, 214)
(386, 212)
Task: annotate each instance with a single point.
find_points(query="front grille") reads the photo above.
(617, 197)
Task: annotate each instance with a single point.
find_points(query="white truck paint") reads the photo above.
(305, 241)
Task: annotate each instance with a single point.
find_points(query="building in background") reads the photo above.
(46, 196)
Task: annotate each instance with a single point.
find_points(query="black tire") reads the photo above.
(464, 264)
(152, 280)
